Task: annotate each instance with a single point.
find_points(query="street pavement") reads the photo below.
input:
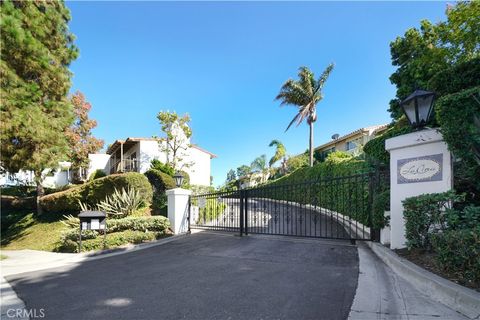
(202, 276)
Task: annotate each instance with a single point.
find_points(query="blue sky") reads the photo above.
(224, 63)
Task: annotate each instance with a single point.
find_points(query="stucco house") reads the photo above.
(129, 155)
(136, 154)
(352, 142)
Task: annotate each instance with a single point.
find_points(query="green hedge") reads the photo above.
(97, 174)
(374, 149)
(113, 240)
(456, 115)
(453, 234)
(335, 165)
(160, 182)
(458, 251)
(95, 191)
(425, 215)
(340, 183)
(158, 224)
(119, 232)
(17, 203)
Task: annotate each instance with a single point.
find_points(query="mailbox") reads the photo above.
(92, 220)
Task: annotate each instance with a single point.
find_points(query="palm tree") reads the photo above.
(280, 154)
(304, 93)
(260, 165)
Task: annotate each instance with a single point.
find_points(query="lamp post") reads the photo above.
(418, 108)
(178, 179)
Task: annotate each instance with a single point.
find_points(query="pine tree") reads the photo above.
(80, 138)
(37, 48)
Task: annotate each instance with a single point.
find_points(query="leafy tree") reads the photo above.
(304, 93)
(177, 138)
(280, 154)
(79, 135)
(231, 176)
(37, 48)
(422, 53)
(297, 162)
(243, 171)
(162, 167)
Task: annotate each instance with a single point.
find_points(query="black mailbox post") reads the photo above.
(92, 220)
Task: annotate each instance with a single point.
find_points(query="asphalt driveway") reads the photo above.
(203, 276)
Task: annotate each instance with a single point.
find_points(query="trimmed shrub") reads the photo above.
(468, 218)
(97, 174)
(99, 189)
(160, 183)
(18, 203)
(156, 164)
(159, 224)
(19, 191)
(119, 232)
(64, 201)
(426, 215)
(113, 240)
(458, 251)
(95, 191)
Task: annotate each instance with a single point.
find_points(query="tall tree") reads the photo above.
(259, 164)
(79, 135)
(243, 171)
(422, 53)
(231, 176)
(305, 93)
(280, 154)
(37, 48)
(176, 141)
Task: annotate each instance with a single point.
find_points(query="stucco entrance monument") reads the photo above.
(420, 163)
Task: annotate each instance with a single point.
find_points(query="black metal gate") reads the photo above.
(335, 208)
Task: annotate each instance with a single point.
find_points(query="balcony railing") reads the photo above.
(125, 165)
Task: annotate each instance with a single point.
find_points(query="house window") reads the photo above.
(351, 145)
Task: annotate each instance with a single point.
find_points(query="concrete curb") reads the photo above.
(461, 299)
(130, 248)
(12, 306)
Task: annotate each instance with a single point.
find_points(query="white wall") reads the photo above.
(199, 172)
(98, 161)
(22, 178)
(149, 150)
(413, 145)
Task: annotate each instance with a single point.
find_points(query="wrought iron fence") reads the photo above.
(338, 208)
(216, 211)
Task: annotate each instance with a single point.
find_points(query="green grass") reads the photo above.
(3, 257)
(23, 230)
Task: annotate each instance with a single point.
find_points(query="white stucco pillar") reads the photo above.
(178, 209)
(419, 163)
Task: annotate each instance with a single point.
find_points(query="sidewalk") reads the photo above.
(20, 261)
(381, 294)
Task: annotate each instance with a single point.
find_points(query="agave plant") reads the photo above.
(122, 202)
(71, 221)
